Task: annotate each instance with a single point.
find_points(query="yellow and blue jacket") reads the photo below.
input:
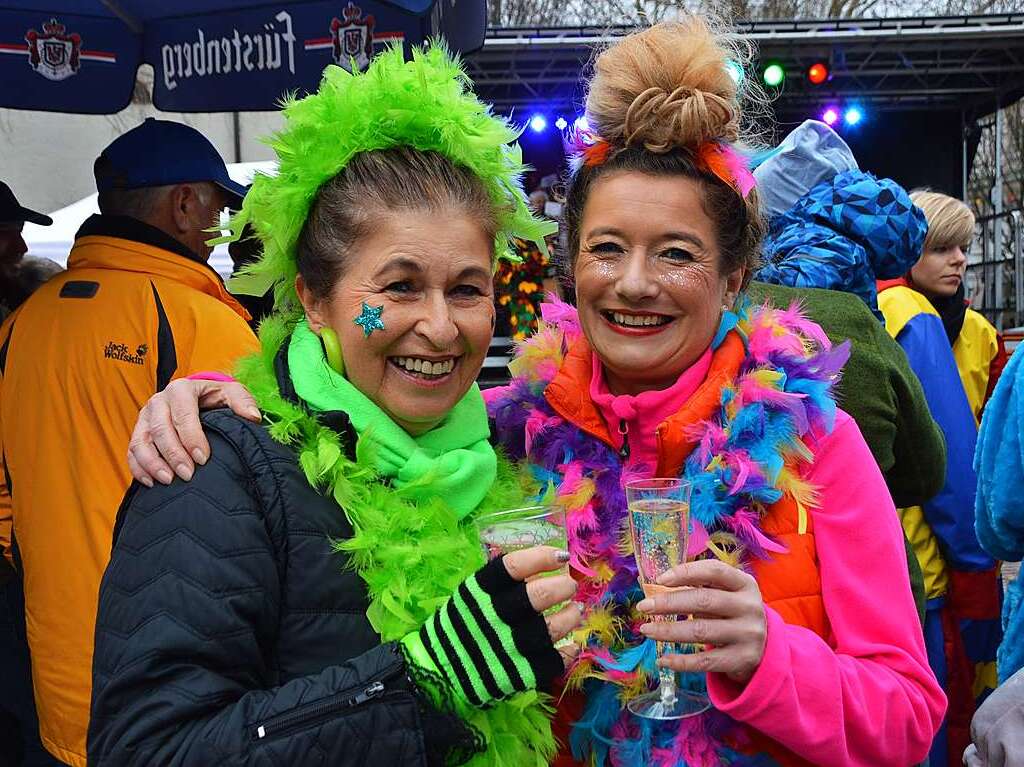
(956, 383)
(980, 358)
(941, 531)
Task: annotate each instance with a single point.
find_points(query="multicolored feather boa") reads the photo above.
(411, 556)
(748, 455)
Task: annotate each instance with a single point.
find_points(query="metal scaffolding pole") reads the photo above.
(964, 170)
(997, 230)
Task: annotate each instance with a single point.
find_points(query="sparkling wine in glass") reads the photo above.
(503, 532)
(659, 524)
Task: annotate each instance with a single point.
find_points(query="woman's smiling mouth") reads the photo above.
(423, 369)
(636, 323)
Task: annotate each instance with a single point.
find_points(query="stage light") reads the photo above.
(735, 71)
(538, 124)
(817, 73)
(853, 115)
(561, 124)
(773, 75)
(582, 123)
(830, 115)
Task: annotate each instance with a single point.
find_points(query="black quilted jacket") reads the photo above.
(229, 633)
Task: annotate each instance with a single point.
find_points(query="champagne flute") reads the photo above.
(659, 524)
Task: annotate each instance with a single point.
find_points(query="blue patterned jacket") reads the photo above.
(844, 234)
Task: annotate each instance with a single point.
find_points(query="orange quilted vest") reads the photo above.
(790, 583)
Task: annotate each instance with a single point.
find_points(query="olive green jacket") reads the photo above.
(881, 393)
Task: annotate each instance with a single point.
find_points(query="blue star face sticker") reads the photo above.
(370, 319)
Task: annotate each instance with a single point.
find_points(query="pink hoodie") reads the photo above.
(640, 414)
(864, 695)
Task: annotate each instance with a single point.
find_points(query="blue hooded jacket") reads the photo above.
(846, 231)
(999, 462)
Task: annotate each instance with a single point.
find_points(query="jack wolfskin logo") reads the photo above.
(116, 351)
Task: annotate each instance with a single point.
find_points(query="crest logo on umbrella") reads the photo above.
(352, 39)
(53, 53)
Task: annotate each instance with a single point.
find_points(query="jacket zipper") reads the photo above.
(624, 433)
(292, 721)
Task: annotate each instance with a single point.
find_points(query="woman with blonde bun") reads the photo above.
(800, 596)
(804, 630)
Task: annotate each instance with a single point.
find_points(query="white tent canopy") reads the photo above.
(54, 242)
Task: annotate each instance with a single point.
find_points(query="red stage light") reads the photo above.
(817, 73)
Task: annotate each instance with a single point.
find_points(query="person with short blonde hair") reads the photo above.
(980, 358)
(939, 275)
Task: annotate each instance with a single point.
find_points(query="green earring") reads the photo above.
(332, 350)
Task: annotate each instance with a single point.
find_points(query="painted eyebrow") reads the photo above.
(474, 272)
(685, 236)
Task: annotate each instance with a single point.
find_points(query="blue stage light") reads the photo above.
(582, 123)
(853, 115)
(561, 124)
(538, 123)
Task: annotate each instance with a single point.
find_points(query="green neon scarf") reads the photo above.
(454, 460)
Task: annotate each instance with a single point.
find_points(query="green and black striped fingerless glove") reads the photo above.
(487, 641)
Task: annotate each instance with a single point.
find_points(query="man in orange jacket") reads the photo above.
(138, 306)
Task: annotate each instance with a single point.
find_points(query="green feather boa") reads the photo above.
(427, 104)
(411, 556)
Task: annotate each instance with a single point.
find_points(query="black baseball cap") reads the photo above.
(163, 153)
(12, 212)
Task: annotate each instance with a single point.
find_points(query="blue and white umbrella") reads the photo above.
(207, 55)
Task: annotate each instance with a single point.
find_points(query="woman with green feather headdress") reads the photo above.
(317, 593)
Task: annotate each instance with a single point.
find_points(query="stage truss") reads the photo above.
(965, 63)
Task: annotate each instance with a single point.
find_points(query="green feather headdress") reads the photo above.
(426, 104)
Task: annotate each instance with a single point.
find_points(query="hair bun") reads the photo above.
(685, 117)
(664, 87)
